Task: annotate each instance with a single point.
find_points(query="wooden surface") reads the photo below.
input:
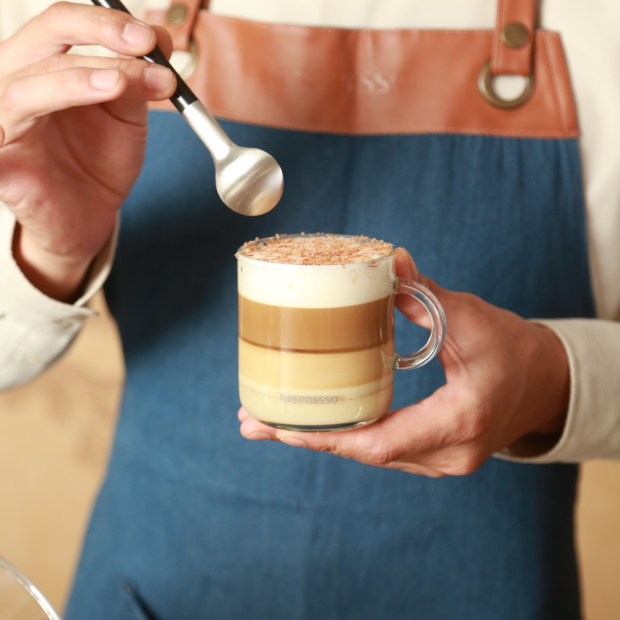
(55, 435)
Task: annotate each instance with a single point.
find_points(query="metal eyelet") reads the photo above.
(486, 90)
(190, 64)
(177, 14)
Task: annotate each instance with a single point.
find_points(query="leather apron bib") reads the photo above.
(393, 134)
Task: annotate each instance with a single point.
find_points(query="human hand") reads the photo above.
(73, 134)
(507, 378)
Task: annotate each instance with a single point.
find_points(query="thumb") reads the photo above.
(410, 307)
(406, 269)
(164, 40)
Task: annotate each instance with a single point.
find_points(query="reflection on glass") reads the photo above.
(19, 598)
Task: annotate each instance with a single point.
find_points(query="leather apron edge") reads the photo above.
(369, 82)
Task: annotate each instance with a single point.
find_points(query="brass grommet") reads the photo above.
(515, 34)
(177, 14)
(486, 90)
(193, 61)
(185, 63)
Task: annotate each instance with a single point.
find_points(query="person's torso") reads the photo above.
(205, 524)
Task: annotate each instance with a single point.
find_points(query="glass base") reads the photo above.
(331, 428)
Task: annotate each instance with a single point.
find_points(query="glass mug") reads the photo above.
(20, 599)
(316, 342)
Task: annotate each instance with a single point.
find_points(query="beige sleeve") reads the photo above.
(34, 329)
(592, 429)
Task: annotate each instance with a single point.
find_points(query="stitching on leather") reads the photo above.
(498, 47)
(501, 50)
(556, 83)
(423, 129)
(528, 48)
(399, 130)
(390, 31)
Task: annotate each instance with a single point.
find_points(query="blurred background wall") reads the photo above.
(55, 436)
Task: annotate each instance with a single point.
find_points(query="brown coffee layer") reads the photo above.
(351, 328)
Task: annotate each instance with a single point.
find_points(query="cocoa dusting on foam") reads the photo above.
(319, 249)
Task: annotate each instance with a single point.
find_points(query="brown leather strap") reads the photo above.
(180, 21)
(369, 81)
(513, 39)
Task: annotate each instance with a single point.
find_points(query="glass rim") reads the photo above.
(239, 255)
(30, 588)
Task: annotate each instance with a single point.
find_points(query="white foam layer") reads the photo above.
(315, 286)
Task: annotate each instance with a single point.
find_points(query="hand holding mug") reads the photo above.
(507, 379)
(316, 330)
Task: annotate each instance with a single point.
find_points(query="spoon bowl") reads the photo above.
(249, 181)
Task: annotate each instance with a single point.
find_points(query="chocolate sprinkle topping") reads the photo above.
(318, 249)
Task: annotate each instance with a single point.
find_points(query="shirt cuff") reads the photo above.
(36, 330)
(592, 429)
(19, 298)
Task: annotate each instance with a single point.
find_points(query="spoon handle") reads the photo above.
(185, 101)
(183, 96)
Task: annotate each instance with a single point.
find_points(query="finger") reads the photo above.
(419, 470)
(131, 110)
(409, 306)
(164, 41)
(255, 430)
(398, 437)
(430, 459)
(145, 81)
(459, 460)
(407, 269)
(405, 266)
(1, 136)
(32, 96)
(65, 24)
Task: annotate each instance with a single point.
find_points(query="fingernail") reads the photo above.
(158, 78)
(293, 441)
(137, 34)
(258, 436)
(104, 79)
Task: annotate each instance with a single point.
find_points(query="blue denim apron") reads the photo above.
(195, 522)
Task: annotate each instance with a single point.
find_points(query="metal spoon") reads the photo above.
(249, 181)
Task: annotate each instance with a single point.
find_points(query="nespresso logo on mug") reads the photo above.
(291, 399)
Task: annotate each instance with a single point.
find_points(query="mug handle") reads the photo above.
(438, 325)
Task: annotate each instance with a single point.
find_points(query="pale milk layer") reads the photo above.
(314, 371)
(304, 407)
(315, 286)
(295, 388)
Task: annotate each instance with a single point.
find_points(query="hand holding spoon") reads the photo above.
(249, 181)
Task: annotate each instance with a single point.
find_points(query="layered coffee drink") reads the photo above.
(316, 330)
